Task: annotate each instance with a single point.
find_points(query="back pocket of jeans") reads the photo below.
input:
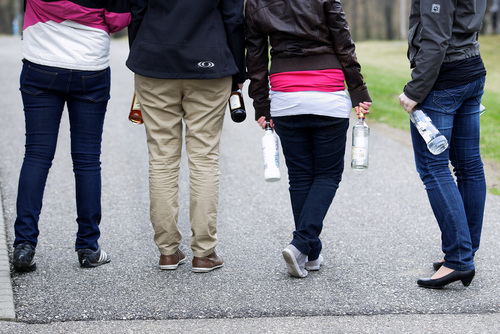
(35, 81)
(96, 85)
(448, 99)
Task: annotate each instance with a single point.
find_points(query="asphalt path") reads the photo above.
(379, 237)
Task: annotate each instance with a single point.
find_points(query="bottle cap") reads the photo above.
(361, 114)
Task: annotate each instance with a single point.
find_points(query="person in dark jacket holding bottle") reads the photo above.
(312, 55)
(447, 84)
(185, 56)
(65, 62)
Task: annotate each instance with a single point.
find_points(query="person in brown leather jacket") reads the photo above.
(303, 96)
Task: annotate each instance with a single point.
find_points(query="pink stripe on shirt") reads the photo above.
(330, 80)
(38, 11)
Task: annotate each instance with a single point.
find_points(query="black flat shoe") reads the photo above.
(436, 265)
(465, 276)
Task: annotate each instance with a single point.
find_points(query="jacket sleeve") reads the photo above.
(345, 50)
(258, 66)
(436, 24)
(234, 24)
(138, 8)
(117, 14)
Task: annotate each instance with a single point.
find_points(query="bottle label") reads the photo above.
(358, 153)
(426, 135)
(424, 125)
(234, 102)
(270, 151)
(276, 153)
(135, 104)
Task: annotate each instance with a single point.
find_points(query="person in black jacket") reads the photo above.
(447, 83)
(186, 55)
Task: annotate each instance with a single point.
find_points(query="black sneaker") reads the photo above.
(24, 257)
(89, 258)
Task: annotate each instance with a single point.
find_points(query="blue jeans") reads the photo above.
(458, 206)
(314, 148)
(45, 90)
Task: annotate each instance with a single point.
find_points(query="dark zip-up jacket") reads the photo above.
(304, 35)
(441, 31)
(182, 39)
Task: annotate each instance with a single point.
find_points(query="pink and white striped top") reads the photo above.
(69, 34)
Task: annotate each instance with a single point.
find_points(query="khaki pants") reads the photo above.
(201, 104)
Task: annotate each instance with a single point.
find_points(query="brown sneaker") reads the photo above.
(207, 263)
(171, 262)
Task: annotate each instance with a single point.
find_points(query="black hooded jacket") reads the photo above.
(183, 39)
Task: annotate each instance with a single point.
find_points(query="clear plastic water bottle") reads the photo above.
(270, 152)
(360, 141)
(436, 142)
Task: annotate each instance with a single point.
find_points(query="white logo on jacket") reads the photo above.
(206, 64)
(436, 8)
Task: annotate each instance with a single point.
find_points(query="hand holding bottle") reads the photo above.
(262, 121)
(436, 142)
(360, 139)
(407, 103)
(363, 107)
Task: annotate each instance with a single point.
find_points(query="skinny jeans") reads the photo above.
(314, 148)
(45, 91)
(457, 205)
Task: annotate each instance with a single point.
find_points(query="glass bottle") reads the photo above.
(270, 153)
(436, 142)
(237, 105)
(360, 142)
(135, 115)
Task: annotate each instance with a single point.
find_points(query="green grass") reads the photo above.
(386, 70)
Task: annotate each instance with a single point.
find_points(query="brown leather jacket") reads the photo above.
(304, 35)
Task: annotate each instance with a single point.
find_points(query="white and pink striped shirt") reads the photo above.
(68, 34)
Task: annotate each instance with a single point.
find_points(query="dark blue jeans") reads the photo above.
(458, 206)
(45, 90)
(314, 148)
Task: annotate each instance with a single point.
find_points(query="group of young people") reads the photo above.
(304, 80)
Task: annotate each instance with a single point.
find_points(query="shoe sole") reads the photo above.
(206, 270)
(292, 265)
(93, 265)
(173, 266)
(313, 268)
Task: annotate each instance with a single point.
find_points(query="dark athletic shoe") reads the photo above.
(90, 259)
(24, 258)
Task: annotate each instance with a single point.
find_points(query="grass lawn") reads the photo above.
(386, 70)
